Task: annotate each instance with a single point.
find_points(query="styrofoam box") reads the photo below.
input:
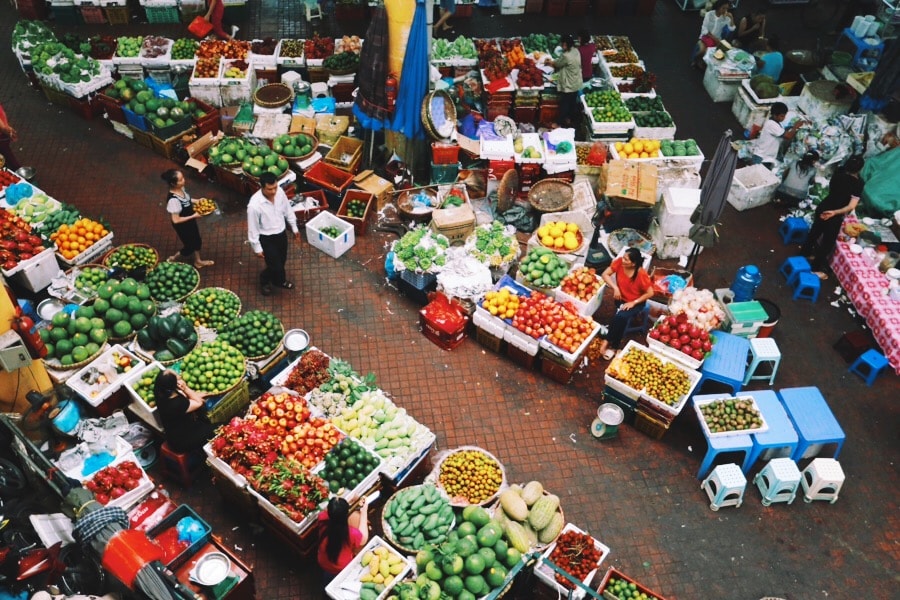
(718, 90)
(695, 161)
(533, 140)
(274, 511)
(585, 309)
(289, 61)
(522, 341)
(93, 252)
(491, 324)
(346, 585)
(699, 404)
(676, 355)
(745, 85)
(670, 246)
(819, 109)
(103, 363)
(747, 112)
(655, 133)
(139, 406)
(37, 272)
(548, 575)
(675, 210)
(570, 358)
(282, 376)
(752, 186)
(497, 149)
(124, 452)
(223, 468)
(333, 247)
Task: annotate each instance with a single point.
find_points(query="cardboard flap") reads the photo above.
(632, 181)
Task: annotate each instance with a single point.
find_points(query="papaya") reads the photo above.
(177, 347)
(164, 355)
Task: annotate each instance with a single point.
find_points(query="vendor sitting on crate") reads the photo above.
(631, 288)
(342, 535)
(183, 413)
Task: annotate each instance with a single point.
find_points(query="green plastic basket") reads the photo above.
(162, 14)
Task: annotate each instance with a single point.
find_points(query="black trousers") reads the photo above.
(274, 249)
(189, 234)
(821, 240)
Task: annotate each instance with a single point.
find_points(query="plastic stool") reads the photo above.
(822, 480)
(806, 286)
(644, 318)
(763, 350)
(313, 10)
(793, 266)
(778, 481)
(793, 230)
(874, 361)
(180, 466)
(725, 486)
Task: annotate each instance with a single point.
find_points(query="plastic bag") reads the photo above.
(190, 530)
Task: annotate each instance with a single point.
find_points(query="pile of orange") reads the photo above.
(72, 240)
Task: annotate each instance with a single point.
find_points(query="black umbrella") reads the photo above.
(713, 194)
(371, 105)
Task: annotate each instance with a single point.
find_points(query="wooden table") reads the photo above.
(245, 589)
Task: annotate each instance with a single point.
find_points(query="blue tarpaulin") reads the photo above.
(413, 79)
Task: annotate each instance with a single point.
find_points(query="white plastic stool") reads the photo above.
(725, 486)
(313, 10)
(763, 350)
(778, 481)
(822, 480)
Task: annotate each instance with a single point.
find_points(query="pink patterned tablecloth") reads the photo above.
(867, 288)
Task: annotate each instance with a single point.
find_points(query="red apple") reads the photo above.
(706, 346)
(704, 335)
(672, 321)
(694, 331)
(682, 317)
(684, 339)
(675, 344)
(665, 339)
(654, 333)
(696, 344)
(665, 328)
(683, 328)
(697, 355)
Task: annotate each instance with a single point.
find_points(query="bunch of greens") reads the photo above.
(421, 250)
(54, 58)
(461, 47)
(493, 245)
(539, 42)
(28, 34)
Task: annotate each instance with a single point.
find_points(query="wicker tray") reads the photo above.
(239, 307)
(107, 258)
(79, 268)
(551, 195)
(404, 204)
(300, 159)
(507, 190)
(539, 547)
(58, 366)
(386, 528)
(458, 502)
(439, 132)
(579, 236)
(339, 72)
(183, 296)
(273, 95)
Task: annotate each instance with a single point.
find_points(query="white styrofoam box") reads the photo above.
(123, 452)
(512, 7)
(745, 85)
(694, 161)
(548, 575)
(206, 90)
(288, 61)
(532, 140)
(521, 340)
(816, 101)
(139, 405)
(497, 149)
(747, 112)
(669, 246)
(96, 393)
(570, 358)
(491, 324)
(235, 90)
(346, 585)
(752, 186)
(35, 273)
(333, 247)
(718, 90)
(655, 133)
(584, 308)
(674, 212)
(223, 468)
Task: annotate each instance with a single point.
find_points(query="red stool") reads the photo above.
(180, 466)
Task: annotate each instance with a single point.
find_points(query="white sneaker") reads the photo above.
(234, 30)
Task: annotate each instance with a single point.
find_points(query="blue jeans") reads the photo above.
(620, 321)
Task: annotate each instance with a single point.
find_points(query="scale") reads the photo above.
(606, 425)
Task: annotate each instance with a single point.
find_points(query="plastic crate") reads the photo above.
(162, 14)
(444, 173)
(420, 281)
(117, 15)
(135, 120)
(332, 180)
(172, 520)
(112, 108)
(333, 247)
(546, 574)
(346, 154)
(230, 404)
(92, 15)
(752, 186)
(444, 154)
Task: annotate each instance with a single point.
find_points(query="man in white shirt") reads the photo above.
(767, 146)
(267, 212)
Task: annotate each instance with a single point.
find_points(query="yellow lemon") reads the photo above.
(543, 231)
(629, 148)
(571, 243)
(638, 147)
(619, 146)
(559, 242)
(654, 154)
(634, 155)
(557, 232)
(547, 240)
(644, 155)
(573, 227)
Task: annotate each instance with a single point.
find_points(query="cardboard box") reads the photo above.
(457, 223)
(197, 149)
(370, 182)
(300, 124)
(631, 182)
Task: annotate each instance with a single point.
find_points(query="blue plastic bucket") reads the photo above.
(68, 416)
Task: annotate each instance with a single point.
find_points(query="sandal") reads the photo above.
(609, 354)
(820, 275)
(173, 258)
(287, 285)
(203, 263)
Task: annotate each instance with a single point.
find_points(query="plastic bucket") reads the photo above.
(773, 312)
(68, 416)
(609, 417)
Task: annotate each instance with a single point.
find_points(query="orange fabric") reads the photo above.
(630, 290)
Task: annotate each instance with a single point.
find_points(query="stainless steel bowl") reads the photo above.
(296, 340)
(212, 569)
(26, 173)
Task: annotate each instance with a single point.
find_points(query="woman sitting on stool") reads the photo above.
(341, 535)
(631, 288)
(183, 413)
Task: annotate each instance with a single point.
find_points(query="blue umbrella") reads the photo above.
(413, 79)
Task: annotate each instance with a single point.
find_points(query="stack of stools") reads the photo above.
(778, 481)
(725, 486)
(794, 230)
(180, 466)
(806, 286)
(869, 364)
(793, 266)
(822, 480)
(763, 350)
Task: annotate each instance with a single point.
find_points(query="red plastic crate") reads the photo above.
(87, 107)
(92, 15)
(463, 10)
(495, 111)
(525, 114)
(112, 108)
(305, 214)
(444, 154)
(555, 8)
(496, 168)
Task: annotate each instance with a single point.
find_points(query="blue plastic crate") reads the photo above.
(135, 120)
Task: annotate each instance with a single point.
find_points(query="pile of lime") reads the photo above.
(89, 279)
(256, 333)
(125, 306)
(132, 256)
(213, 367)
(172, 281)
(212, 307)
(144, 386)
(347, 464)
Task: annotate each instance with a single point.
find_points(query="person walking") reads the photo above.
(844, 191)
(568, 83)
(267, 213)
(448, 9)
(180, 207)
(8, 135)
(215, 15)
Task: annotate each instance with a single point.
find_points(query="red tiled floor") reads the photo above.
(639, 496)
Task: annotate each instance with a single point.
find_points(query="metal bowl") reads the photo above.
(212, 569)
(26, 173)
(296, 340)
(49, 307)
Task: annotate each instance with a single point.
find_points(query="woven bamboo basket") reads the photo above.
(80, 268)
(551, 195)
(192, 272)
(109, 258)
(273, 95)
(58, 366)
(230, 315)
(463, 502)
(389, 534)
(406, 208)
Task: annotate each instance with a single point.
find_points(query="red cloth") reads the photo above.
(218, 13)
(587, 52)
(3, 118)
(347, 552)
(630, 290)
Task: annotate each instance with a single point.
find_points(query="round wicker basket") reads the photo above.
(507, 190)
(55, 364)
(463, 502)
(386, 528)
(299, 159)
(439, 125)
(222, 392)
(551, 195)
(230, 315)
(339, 72)
(189, 271)
(80, 268)
(109, 259)
(630, 238)
(151, 354)
(273, 95)
(419, 214)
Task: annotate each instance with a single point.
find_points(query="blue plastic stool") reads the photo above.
(793, 230)
(875, 363)
(643, 318)
(793, 266)
(778, 481)
(806, 286)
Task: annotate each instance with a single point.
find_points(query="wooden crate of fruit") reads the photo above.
(576, 553)
(639, 372)
(722, 417)
(618, 586)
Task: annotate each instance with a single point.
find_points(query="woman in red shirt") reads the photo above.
(631, 288)
(8, 135)
(342, 536)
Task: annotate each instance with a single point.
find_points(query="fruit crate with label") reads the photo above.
(444, 322)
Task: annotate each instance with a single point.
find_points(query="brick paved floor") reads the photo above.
(639, 496)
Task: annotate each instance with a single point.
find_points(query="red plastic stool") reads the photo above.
(180, 466)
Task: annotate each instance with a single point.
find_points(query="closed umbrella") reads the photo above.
(413, 79)
(371, 105)
(713, 194)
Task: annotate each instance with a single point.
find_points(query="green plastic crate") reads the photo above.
(162, 14)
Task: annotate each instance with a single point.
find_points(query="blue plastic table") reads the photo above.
(727, 363)
(719, 444)
(781, 433)
(813, 419)
(861, 46)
